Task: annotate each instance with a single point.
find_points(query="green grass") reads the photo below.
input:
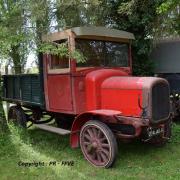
(135, 160)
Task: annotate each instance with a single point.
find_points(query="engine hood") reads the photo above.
(116, 90)
(131, 94)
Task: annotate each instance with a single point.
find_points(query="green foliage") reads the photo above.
(138, 17)
(168, 18)
(74, 13)
(62, 50)
(78, 56)
(59, 49)
(167, 5)
(13, 34)
(22, 24)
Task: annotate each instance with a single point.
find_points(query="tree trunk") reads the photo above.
(3, 122)
(14, 54)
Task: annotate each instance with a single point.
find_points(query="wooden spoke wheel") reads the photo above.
(17, 116)
(98, 144)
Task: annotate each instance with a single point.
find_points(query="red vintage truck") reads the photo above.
(96, 102)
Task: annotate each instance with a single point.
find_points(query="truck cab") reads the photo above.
(68, 84)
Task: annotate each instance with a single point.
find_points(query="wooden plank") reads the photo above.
(53, 129)
(24, 89)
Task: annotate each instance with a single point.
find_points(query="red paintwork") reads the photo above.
(94, 80)
(80, 86)
(72, 92)
(57, 89)
(59, 92)
(79, 94)
(121, 93)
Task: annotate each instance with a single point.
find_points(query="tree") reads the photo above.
(74, 13)
(168, 24)
(13, 35)
(138, 17)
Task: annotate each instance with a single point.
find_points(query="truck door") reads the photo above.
(58, 92)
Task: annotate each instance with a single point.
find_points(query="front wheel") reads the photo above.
(98, 144)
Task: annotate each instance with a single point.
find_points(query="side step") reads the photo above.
(53, 129)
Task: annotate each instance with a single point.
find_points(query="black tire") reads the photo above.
(159, 140)
(103, 143)
(17, 116)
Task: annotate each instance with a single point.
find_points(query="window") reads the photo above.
(59, 64)
(103, 53)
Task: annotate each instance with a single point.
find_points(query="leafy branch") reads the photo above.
(61, 50)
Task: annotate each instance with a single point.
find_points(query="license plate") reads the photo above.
(154, 131)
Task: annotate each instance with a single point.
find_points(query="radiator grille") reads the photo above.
(160, 101)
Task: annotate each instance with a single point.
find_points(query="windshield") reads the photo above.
(103, 53)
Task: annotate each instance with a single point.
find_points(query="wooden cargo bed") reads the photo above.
(24, 88)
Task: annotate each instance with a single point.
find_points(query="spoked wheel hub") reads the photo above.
(98, 144)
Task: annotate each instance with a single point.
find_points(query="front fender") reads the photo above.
(101, 115)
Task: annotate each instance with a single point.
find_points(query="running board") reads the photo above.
(53, 129)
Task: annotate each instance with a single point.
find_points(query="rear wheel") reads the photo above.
(17, 116)
(98, 144)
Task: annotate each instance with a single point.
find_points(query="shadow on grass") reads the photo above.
(18, 145)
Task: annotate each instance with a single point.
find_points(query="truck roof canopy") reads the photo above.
(90, 33)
